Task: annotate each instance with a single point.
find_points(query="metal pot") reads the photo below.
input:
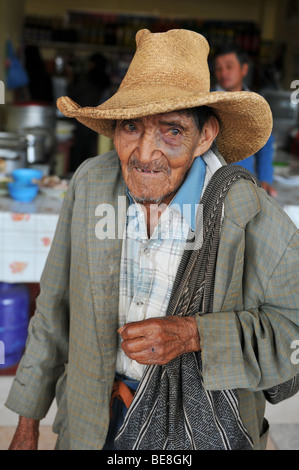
(22, 116)
(35, 148)
(13, 152)
(29, 117)
(38, 141)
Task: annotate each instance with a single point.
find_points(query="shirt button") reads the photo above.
(139, 304)
(146, 250)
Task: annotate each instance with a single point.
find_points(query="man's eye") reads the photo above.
(129, 126)
(174, 132)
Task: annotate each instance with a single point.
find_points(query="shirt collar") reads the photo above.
(189, 193)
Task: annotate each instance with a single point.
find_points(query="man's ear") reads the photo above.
(245, 68)
(208, 135)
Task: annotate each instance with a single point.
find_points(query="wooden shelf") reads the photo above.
(79, 46)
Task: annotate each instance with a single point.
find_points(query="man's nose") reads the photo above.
(221, 72)
(148, 148)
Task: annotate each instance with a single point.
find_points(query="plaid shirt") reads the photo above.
(149, 265)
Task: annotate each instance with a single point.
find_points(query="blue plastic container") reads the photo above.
(22, 192)
(14, 318)
(26, 175)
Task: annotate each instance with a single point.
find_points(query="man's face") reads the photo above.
(229, 72)
(155, 153)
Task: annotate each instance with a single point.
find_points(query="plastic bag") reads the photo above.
(17, 76)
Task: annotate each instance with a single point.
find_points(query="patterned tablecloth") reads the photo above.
(286, 181)
(26, 233)
(288, 199)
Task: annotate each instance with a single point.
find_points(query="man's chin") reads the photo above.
(148, 199)
(144, 197)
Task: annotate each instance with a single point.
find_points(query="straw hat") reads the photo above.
(168, 72)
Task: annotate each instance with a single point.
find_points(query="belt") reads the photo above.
(122, 392)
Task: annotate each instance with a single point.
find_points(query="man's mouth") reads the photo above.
(148, 172)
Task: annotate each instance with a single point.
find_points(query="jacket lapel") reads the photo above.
(106, 209)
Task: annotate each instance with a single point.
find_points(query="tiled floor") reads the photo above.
(284, 423)
(285, 436)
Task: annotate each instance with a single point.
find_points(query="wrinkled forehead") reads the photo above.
(186, 115)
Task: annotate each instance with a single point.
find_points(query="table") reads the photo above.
(288, 199)
(286, 182)
(26, 234)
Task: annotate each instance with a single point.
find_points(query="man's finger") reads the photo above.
(135, 345)
(134, 330)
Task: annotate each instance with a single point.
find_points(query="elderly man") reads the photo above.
(166, 321)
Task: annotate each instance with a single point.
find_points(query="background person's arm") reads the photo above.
(264, 166)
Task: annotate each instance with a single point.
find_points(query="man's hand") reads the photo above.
(159, 340)
(26, 435)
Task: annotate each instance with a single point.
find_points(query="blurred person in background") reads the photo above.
(88, 89)
(231, 66)
(40, 84)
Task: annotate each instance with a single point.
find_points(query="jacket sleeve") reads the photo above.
(46, 351)
(253, 349)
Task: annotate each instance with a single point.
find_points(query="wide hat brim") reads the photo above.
(170, 72)
(245, 117)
